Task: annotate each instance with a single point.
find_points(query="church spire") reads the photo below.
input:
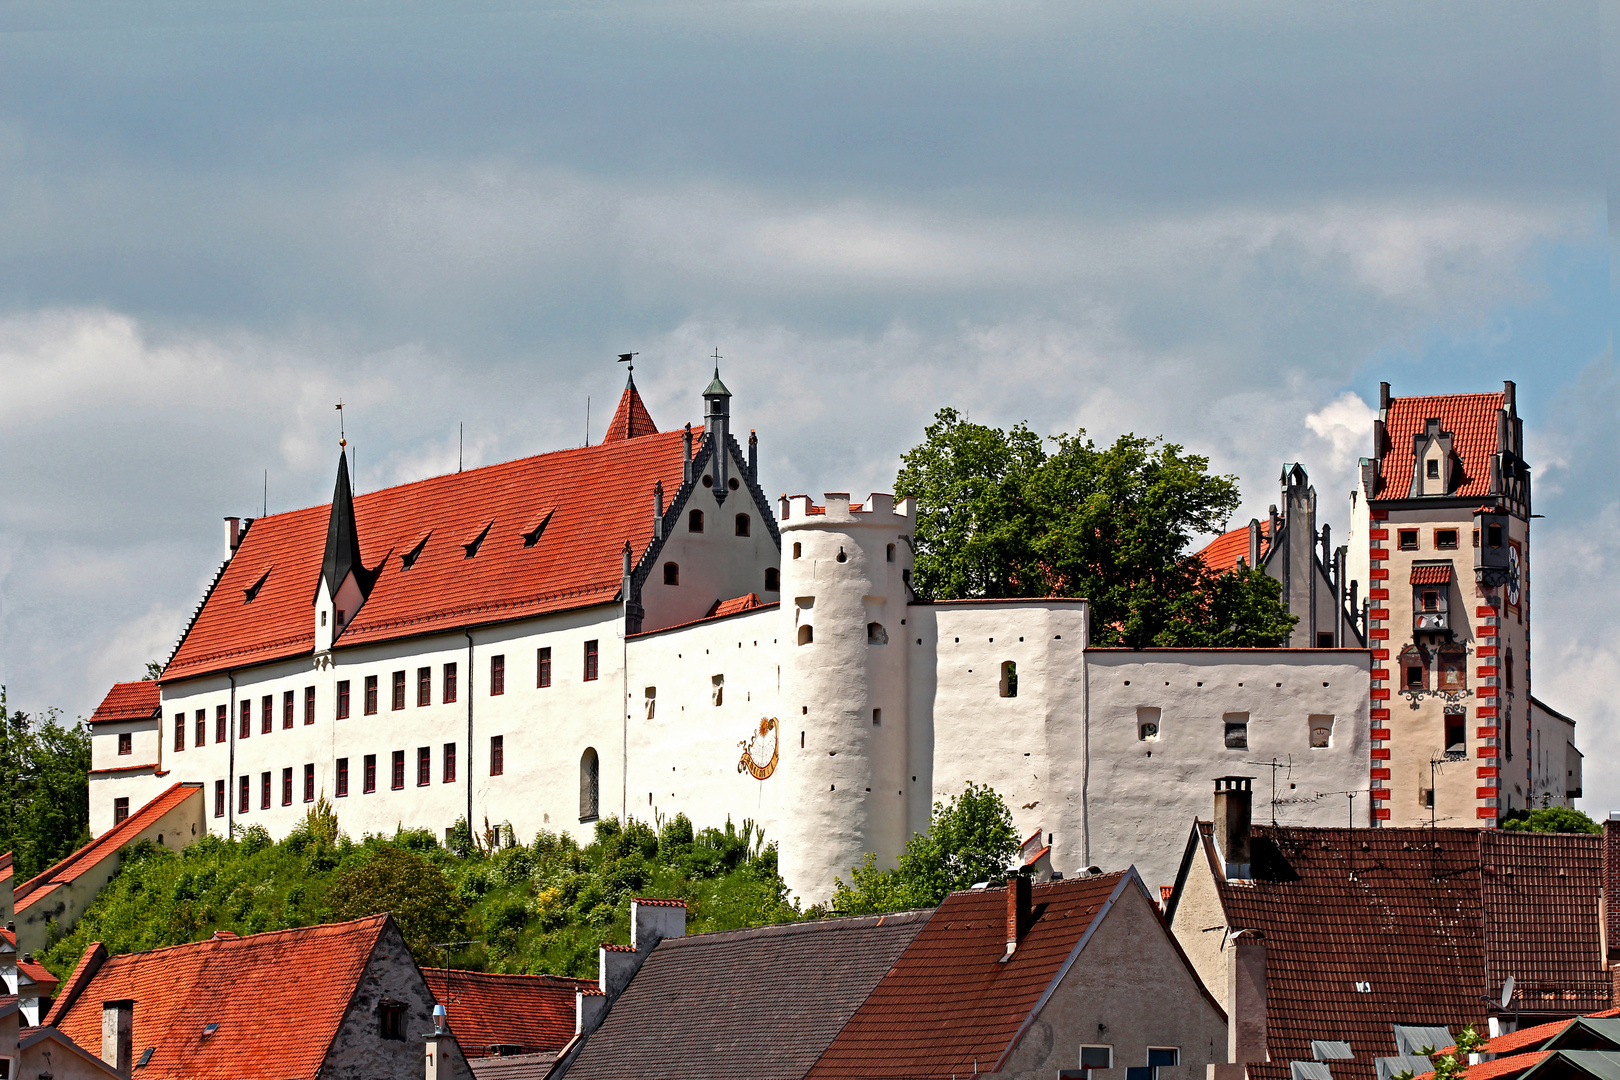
(343, 538)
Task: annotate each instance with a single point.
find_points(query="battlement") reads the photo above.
(796, 510)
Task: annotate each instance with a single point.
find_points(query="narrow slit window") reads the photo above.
(798, 549)
(717, 690)
(589, 784)
(343, 699)
(497, 755)
(590, 660)
(877, 717)
(497, 675)
(424, 686)
(448, 687)
(889, 553)
(650, 697)
(1009, 679)
(371, 695)
(542, 666)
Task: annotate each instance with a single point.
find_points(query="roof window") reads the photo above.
(472, 546)
(531, 535)
(252, 591)
(408, 560)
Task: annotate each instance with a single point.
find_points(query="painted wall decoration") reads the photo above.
(761, 751)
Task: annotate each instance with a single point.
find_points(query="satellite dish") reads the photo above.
(1507, 991)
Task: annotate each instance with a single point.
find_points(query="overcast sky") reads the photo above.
(1220, 223)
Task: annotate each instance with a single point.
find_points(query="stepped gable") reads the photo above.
(631, 420)
(580, 506)
(1223, 552)
(954, 998)
(278, 999)
(128, 701)
(759, 1004)
(102, 847)
(1471, 419)
(530, 1012)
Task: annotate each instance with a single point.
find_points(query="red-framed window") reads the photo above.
(309, 783)
(542, 666)
(343, 699)
(497, 755)
(246, 726)
(449, 684)
(126, 744)
(242, 794)
(449, 770)
(368, 778)
(397, 780)
(286, 786)
(341, 787)
(424, 766)
(590, 661)
(264, 789)
(179, 731)
(397, 701)
(202, 727)
(219, 798)
(222, 720)
(267, 714)
(424, 686)
(497, 676)
(371, 695)
(309, 705)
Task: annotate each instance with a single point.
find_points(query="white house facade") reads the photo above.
(634, 629)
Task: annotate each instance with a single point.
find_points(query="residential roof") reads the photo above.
(42, 982)
(953, 1001)
(104, 846)
(755, 1004)
(1365, 928)
(556, 528)
(29, 1038)
(1223, 552)
(1431, 574)
(240, 983)
(1566, 1064)
(1537, 1034)
(128, 701)
(733, 606)
(1511, 1065)
(484, 1010)
(513, 1066)
(1471, 420)
(631, 420)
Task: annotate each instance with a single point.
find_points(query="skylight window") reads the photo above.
(472, 546)
(209, 1029)
(531, 535)
(252, 591)
(408, 560)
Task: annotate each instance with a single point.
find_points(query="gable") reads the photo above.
(1470, 420)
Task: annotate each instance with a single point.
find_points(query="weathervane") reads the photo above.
(629, 358)
(343, 438)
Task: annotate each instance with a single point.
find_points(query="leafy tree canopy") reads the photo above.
(999, 516)
(1551, 819)
(968, 841)
(401, 882)
(44, 788)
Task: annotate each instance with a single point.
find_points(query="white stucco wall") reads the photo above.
(1143, 794)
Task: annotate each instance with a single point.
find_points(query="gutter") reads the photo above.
(469, 733)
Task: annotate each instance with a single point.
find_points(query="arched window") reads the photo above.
(890, 553)
(798, 549)
(590, 774)
(672, 573)
(807, 634)
(1009, 679)
(773, 579)
(694, 521)
(875, 634)
(744, 525)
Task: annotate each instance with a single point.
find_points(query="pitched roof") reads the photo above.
(513, 1066)
(128, 701)
(582, 505)
(229, 981)
(722, 608)
(1431, 574)
(1511, 1065)
(1223, 552)
(760, 1003)
(535, 1012)
(631, 420)
(1471, 420)
(951, 1000)
(102, 847)
(1537, 1034)
(1430, 921)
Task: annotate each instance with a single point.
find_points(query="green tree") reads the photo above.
(970, 840)
(1551, 819)
(1000, 516)
(408, 886)
(44, 788)
(1453, 1063)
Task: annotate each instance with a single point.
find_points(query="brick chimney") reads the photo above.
(1611, 898)
(1234, 804)
(1019, 911)
(118, 1034)
(1246, 997)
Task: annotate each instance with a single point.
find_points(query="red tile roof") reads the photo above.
(735, 605)
(1429, 920)
(632, 420)
(1223, 552)
(950, 1000)
(535, 1012)
(1535, 1035)
(1512, 1065)
(598, 498)
(44, 982)
(128, 701)
(104, 846)
(278, 999)
(1431, 575)
(1471, 419)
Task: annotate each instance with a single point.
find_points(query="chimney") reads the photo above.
(1611, 898)
(1508, 393)
(1254, 542)
(117, 1034)
(1234, 803)
(753, 455)
(1276, 523)
(686, 466)
(658, 510)
(1246, 997)
(233, 535)
(1019, 911)
(441, 1033)
(1383, 401)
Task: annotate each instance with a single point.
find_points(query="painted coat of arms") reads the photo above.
(760, 751)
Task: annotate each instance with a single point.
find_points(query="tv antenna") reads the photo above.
(1274, 765)
(1351, 795)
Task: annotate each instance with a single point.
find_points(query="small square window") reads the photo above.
(1321, 732)
(1096, 1057)
(120, 809)
(1237, 731)
(126, 743)
(1432, 468)
(1409, 539)
(1147, 724)
(1445, 538)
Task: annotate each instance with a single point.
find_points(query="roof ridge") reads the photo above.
(242, 940)
(131, 824)
(716, 937)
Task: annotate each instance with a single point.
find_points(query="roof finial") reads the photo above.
(629, 358)
(717, 358)
(343, 438)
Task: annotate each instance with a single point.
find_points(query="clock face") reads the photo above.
(1513, 576)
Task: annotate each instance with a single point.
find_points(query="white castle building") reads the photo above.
(633, 628)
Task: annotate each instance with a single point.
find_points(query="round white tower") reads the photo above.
(844, 683)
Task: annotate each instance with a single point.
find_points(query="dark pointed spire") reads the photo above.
(343, 538)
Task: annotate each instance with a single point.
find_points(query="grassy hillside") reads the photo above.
(543, 907)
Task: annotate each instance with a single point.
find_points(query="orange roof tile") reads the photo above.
(36, 973)
(1223, 552)
(535, 1012)
(104, 846)
(241, 984)
(1512, 1065)
(952, 998)
(736, 604)
(128, 701)
(1508, 1042)
(1471, 419)
(631, 420)
(1431, 575)
(599, 498)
